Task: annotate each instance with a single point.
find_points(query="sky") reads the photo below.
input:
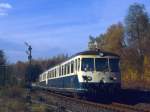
(55, 27)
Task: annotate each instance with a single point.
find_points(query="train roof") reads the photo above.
(96, 52)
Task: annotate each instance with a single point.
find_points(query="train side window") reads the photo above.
(40, 78)
(59, 70)
(52, 73)
(62, 70)
(65, 69)
(78, 64)
(72, 66)
(68, 68)
(48, 74)
(43, 76)
(55, 72)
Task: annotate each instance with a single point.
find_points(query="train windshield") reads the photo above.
(101, 64)
(87, 64)
(114, 65)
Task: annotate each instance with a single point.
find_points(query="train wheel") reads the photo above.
(84, 97)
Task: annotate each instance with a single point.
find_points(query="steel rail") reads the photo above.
(115, 107)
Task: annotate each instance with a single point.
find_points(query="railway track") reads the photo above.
(78, 105)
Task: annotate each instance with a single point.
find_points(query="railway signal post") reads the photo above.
(28, 75)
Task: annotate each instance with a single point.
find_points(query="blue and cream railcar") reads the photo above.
(86, 71)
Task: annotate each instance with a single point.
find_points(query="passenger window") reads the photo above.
(59, 70)
(62, 70)
(72, 66)
(48, 74)
(68, 67)
(44, 77)
(55, 72)
(40, 78)
(78, 64)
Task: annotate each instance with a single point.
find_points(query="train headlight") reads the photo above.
(113, 78)
(87, 78)
(101, 54)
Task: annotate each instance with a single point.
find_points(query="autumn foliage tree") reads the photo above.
(131, 41)
(112, 40)
(137, 29)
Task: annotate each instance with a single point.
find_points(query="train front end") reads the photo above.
(100, 73)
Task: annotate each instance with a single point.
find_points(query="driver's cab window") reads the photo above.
(87, 64)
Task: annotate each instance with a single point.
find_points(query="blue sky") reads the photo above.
(56, 26)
